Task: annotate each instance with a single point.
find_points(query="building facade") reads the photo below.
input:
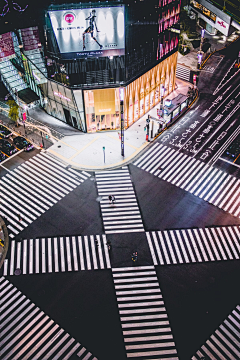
(86, 56)
(213, 17)
(133, 58)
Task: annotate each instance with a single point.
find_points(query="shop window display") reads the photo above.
(102, 109)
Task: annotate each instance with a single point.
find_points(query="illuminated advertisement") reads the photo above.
(6, 47)
(89, 32)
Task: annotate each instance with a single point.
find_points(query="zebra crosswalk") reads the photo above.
(145, 325)
(224, 344)
(26, 332)
(194, 245)
(207, 182)
(47, 255)
(123, 216)
(33, 187)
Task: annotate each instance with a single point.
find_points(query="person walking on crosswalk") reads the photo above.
(111, 199)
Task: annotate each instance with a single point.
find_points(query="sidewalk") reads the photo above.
(85, 151)
(82, 150)
(217, 43)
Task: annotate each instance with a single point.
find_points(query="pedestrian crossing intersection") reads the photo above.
(224, 344)
(194, 245)
(58, 254)
(27, 333)
(146, 330)
(124, 215)
(33, 187)
(200, 179)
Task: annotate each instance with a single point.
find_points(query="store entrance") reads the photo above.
(68, 117)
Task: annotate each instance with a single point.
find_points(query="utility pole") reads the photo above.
(122, 127)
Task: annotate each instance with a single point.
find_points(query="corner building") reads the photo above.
(109, 51)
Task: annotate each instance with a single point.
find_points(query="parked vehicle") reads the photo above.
(2, 156)
(5, 132)
(21, 143)
(7, 148)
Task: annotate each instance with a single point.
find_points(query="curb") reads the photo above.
(4, 249)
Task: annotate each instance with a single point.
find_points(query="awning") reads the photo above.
(28, 96)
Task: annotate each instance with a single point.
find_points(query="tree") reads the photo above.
(13, 110)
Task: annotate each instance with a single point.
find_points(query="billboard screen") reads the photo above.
(89, 32)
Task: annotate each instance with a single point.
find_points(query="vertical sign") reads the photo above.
(122, 128)
(30, 38)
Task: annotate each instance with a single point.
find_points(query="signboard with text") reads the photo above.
(30, 38)
(222, 26)
(89, 32)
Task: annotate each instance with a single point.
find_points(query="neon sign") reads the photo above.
(15, 7)
(61, 96)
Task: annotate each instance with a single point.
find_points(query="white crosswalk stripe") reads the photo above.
(194, 245)
(124, 215)
(47, 255)
(224, 344)
(145, 325)
(32, 188)
(207, 182)
(26, 332)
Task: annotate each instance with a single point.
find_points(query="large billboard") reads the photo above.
(89, 32)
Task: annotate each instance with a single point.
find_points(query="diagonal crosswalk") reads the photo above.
(34, 187)
(26, 332)
(58, 254)
(123, 216)
(207, 182)
(224, 344)
(194, 245)
(145, 325)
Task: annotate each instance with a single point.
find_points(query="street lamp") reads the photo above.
(200, 52)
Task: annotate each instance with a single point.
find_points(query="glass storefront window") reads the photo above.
(141, 106)
(102, 108)
(151, 99)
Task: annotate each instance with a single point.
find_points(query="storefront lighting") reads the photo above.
(121, 94)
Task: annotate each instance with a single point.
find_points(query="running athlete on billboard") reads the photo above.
(90, 28)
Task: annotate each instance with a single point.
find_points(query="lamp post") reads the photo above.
(200, 52)
(121, 93)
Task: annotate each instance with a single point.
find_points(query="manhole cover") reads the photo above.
(99, 198)
(17, 272)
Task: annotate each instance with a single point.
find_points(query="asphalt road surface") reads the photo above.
(65, 295)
